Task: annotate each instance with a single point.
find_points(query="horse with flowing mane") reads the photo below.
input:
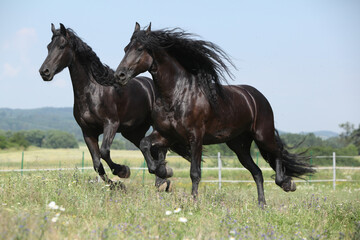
(193, 108)
(103, 109)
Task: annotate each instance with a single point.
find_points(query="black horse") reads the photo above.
(193, 108)
(101, 109)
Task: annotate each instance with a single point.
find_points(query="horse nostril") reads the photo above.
(120, 76)
(45, 72)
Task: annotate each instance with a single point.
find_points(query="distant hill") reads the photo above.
(40, 118)
(323, 134)
(63, 119)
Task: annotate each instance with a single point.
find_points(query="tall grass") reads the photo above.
(88, 209)
(93, 211)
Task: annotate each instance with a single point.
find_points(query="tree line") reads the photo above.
(346, 144)
(38, 138)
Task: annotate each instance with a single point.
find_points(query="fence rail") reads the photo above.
(219, 168)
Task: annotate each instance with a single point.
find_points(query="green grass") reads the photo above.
(93, 211)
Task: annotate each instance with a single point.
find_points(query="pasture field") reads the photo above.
(85, 209)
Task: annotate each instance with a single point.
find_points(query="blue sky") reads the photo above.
(304, 56)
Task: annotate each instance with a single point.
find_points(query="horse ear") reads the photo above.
(53, 28)
(137, 27)
(62, 29)
(148, 30)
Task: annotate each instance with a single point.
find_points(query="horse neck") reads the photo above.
(81, 78)
(170, 77)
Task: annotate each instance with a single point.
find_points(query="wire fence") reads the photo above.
(220, 179)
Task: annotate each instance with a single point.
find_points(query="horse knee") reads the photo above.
(144, 145)
(105, 152)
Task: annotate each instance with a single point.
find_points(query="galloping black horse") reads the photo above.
(101, 109)
(193, 108)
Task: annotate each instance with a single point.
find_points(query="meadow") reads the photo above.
(71, 204)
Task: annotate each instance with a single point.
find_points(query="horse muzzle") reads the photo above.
(45, 74)
(122, 77)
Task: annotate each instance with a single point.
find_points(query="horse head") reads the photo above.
(60, 53)
(137, 57)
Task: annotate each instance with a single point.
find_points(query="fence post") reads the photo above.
(143, 176)
(22, 163)
(82, 161)
(334, 170)
(219, 165)
(311, 162)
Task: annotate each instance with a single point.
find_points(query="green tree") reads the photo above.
(35, 137)
(18, 139)
(3, 142)
(351, 135)
(58, 139)
(118, 144)
(348, 130)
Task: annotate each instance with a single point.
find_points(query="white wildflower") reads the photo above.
(177, 210)
(182, 219)
(54, 219)
(52, 205)
(168, 213)
(62, 209)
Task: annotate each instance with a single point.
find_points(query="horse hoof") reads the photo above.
(169, 172)
(164, 172)
(289, 186)
(169, 186)
(125, 173)
(262, 204)
(293, 186)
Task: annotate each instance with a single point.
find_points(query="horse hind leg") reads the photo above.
(241, 146)
(272, 154)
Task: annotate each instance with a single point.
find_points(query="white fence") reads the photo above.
(220, 168)
(334, 179)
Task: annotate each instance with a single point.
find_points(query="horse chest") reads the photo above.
(87, 117)
(164, 119)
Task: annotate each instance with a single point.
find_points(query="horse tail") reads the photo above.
(295, 165)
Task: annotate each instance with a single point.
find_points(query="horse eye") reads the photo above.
(62, 46)
(140, 49)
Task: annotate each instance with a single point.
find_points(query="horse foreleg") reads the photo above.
(147, 146)
(110, 129)
(92, 144)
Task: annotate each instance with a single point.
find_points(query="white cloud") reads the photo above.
(20, 44)
(25, 38)
(9, 70)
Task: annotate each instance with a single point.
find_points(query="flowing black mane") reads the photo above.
(201, 58)
(103, 74)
